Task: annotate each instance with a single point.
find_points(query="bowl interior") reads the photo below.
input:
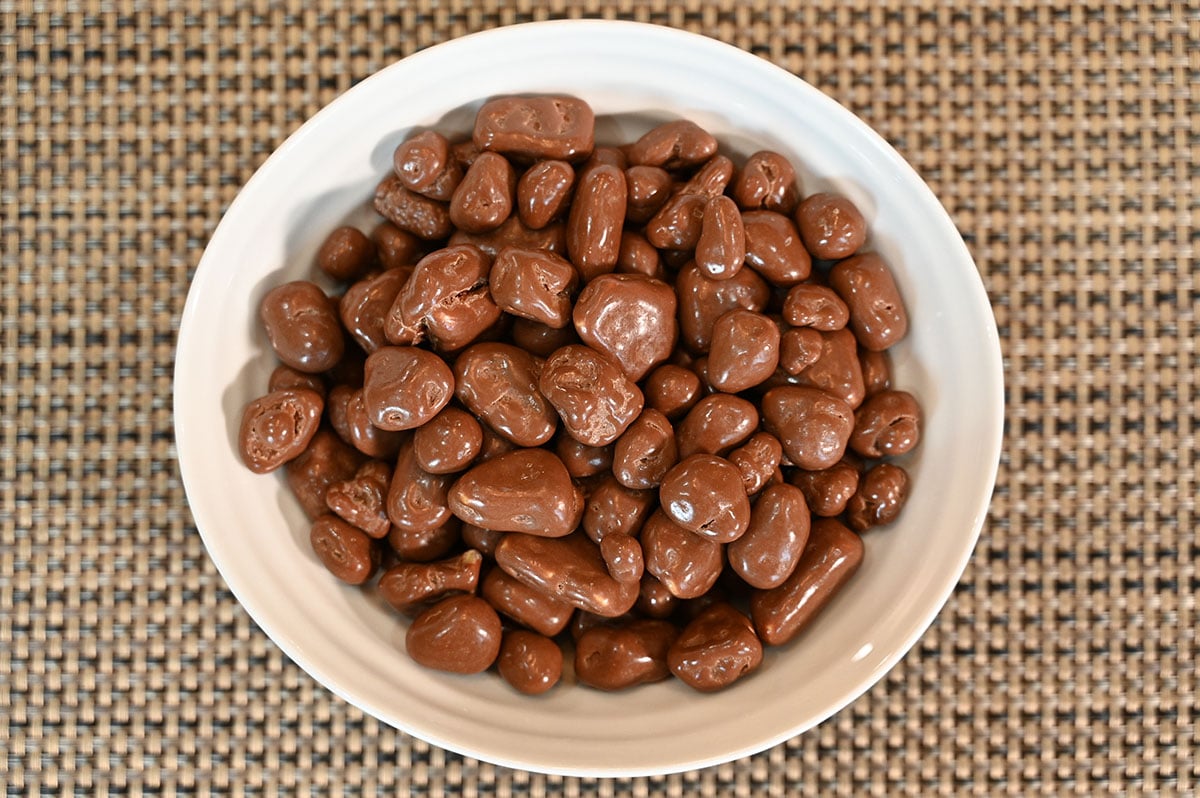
(634, 76)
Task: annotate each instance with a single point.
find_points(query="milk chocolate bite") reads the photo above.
(277, 427)
(613, 509)
(526, 490)
(645, 452)
(654, 599)
(408, 586)
(484, 198)
(623, 557)
(767, 182)
(499, 383)
(417, 214)
(348, 414)
(779, 525)
(757, 460)
(394, 247)
(812, 425)
(716, 425)
(828, 491)
(361, 501)
(687, 564)
(799, 348)
(345, 254)
(447, 296)
(544, 193)
(702, 301)
(425, 545)
(482, 540)
(715, 649)
(677, 144)
(810, 305)
(704, 495)
(647, 189)
(774, 249)
(876, 371)
(302, 326)
(882, 492)
(836, 370)
(568, 569)
(536, 128)
(424, 164)
(404, 387)
(832, 555)
(638, 256)
(459, 634)
(366, 303)
(533, 284)
(580, 459)
(744, 350)
(525, 605)
(672, 390)
(594, 399)
(886, 425)
(831, 225)
(343, 549)
(540, 340)
(494, 445)
(416, 499)
(595, 220)
(530, 662)
(877, 314)
(325, 461)
(449, 442)
(512, 233)
(721, 248)
(678, 223)
(619, 657)
(630, 318)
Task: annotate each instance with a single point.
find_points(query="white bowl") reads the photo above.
(633, 75)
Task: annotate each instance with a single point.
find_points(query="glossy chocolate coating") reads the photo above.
(595, 220)
(404, 387)
(812, 425)
(645, 452)
(799, 348)
(395, 247)
(774, 249)
(715, 649)
(530, 662)
(361, 501)
(569, 569)
(687, 564)
(677, 144)
(886, 425)
(678, 223)
(302, 326)
(485, 196)
(704, 495)
(525, 490)
(832, 555)
(448, 442)
(767, 182)
(480, 539)
(594, 399)
(425, 218)
(715, 425)
(424, 164)
(702, 301)
(613, 509)
(416, 499)
(721, 248)
(326, 460)
(828, 491)
(580, 459)
(540, 340)
(882, 492)
(544, 193)
(277, 427)
(533, 284)
(630, 318)
(779, 526)
(408, 586)
(366, 303)
(459, 634)
(512, 233)
(446, 294)
(744, 350)
(836, 370)
(348, 414)
(818, 306)
(757, 459)
(876, 371)
(672, 390)
(831, 225)
(345, 254)
(620, 656)
(344, 550)
(536, 128)
(623, 557)
(877, 313)
(638, 256)
(655, 600)
(647, 188)
(524, 604)
(499, 383)
(425, 545)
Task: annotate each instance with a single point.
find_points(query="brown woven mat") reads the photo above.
(1061, 140)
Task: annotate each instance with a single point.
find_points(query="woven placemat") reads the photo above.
(1061, 140)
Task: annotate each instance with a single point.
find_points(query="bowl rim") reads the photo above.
(990, 440)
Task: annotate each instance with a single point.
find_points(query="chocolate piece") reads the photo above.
(744, 351)
(533, 284)
(828, 491)
(405, 386)
(812, 425)
(416, 499)
(645, 452)
(630, 318)
(526, 605)
(424, 164)
(715, 649)
(757, 459)
(886, 425)
(425, 545)
(417, 214)
(623, 557)
(882, 492)
(343, 549)
(526, 490)
(544, 193)
(677, 144)
(568, 569)
(361, 501)
(580, 459)
(408, 586)
(594, 399)
(485, 196)
(594, 223)
(302, 326)
(721, 248)
(536, 128)
(767, 182)
(618, 657)
(877, 313)
(394, 247)
(345, 254)
(277, 427)
(704, 495)
(459, 634)
(530, 662)
(779, 526)
(366, 303)
(702, 301)
(499, 383)
(716, 425)
(613, 509)
(350, 419)
(687, 564)
(672, 390)
(325, 461)
(774, 249)
(818, 306)
(831, 225)
(647, 188)
(448, 442)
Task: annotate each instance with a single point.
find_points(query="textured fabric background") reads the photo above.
(1059, 137)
